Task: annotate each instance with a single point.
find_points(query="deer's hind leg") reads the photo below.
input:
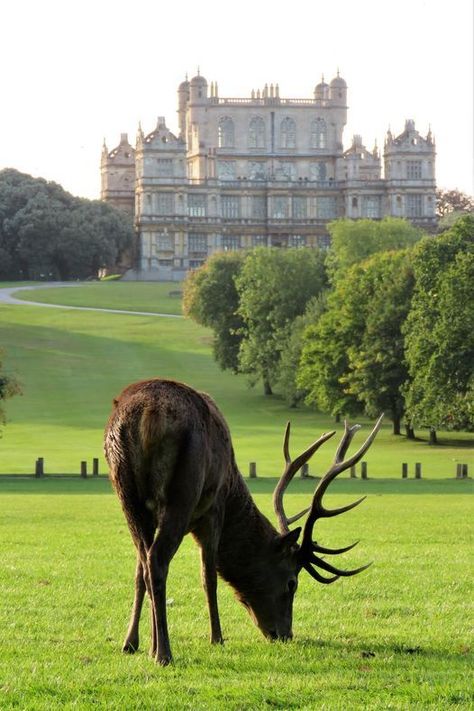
(131, 642)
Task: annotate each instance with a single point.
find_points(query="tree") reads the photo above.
(352, 358)
(448, 201)
(439, 332)
(274, 287)
(9, 386)
(210, 298)
(46, 232)
(355, 240)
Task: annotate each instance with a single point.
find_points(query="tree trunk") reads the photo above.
(337, 417)
(409, 431)
(433, 438)
(396, 424)
(267, 388)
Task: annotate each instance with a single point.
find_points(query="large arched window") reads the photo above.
(256, 132)
(226, 132)
(318, 133)
(288, 133)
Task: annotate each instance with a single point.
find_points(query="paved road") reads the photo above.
(6, 297)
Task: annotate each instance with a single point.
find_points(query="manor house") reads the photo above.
(262, 170)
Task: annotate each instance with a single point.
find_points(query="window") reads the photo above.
(414, 205)
(259, 240)
(318, 133)
(413, 169)
(257, 170)
(299, 208)
(324, 241)
(197, 205)
(288, 169)
(258, 207)
(225, 133)
(325, 207)
(230, 205)
(226, 169)
(318, 171)
(164, 167)
(197, 243)
(288, 133)
(256, 132)
(165, 204)
(280, 208)
(230, 243)
(164, 242)
(296, 241)
(371, 206)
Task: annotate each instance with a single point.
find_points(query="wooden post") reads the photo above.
(253, 470)
(404, 470)
(459, 470)
(84, 470)
(363, 470)
(418, 470)
(464, 471)
(39, 467)
(353, 472)
(304, 471)
(95, 467)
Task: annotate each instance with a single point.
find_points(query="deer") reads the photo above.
(172, 465)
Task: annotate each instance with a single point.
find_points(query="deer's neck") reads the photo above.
(245, 538)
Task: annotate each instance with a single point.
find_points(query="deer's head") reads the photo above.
(270, 601)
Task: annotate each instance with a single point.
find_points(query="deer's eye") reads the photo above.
(292, 585)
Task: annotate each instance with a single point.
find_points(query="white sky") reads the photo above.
(72, 73)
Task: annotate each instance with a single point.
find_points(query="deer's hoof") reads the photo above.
(129, 647)
(164, 660)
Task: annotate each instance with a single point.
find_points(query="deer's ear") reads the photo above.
(289, 539)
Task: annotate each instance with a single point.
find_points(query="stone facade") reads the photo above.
(263, 170)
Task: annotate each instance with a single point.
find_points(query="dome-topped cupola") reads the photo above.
(321, 90)
(338, 91)
(198, 89)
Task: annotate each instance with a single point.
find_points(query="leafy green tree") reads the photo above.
(46, 232)
(274, 287)
(210, 298)
(439, 332)
(292, 350)
(9, 386)
(352, 357)
(353, 241)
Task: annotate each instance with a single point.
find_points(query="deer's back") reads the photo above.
(166, 443)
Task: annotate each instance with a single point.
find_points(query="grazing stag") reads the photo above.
(173, 467)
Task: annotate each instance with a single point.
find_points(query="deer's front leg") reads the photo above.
(131, 642)
(209, 583)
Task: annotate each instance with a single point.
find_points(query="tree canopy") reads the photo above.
(47, 233)
(439, 331)
(211, 299)
(274, 287)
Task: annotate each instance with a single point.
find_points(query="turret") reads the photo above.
(183, 99)
(338, 91)
(321, 90)
(198, 90)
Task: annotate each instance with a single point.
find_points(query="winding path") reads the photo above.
(6, 297)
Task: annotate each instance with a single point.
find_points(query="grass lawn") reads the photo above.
(147, 296)
(72, 363)
(394, 637)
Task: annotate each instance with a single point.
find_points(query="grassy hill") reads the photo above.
(72, 363)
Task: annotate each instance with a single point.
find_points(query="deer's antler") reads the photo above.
(309, 548)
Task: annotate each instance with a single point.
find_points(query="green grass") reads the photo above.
(149, 296)
(395, 637)
(72, 364)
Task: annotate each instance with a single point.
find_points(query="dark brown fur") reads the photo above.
(173, 468)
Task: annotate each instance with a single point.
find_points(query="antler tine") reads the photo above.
(320, 578)
(317, 509)
(331, 569)
(333, 551)
(290, 470)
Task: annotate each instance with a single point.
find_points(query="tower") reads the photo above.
(117, 170)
